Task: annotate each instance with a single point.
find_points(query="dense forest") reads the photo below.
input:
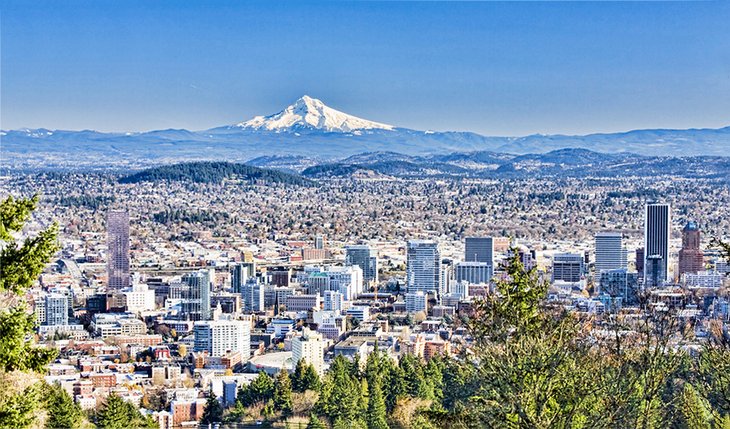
(213, 172)
(92, 202)
(176, 216)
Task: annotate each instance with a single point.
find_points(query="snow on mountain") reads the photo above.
(308, 112)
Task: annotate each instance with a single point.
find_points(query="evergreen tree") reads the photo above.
(261, 389)
(235, 414)
(213, 412)
(113, 414)
(282, 393)
(396, 382)
(62, 411)
(315, 423)
(310, 380)
(298, 376)
(695, 412)
(376, 416)
(20, 265)
(340, 397)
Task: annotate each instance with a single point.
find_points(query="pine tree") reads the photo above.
(315, 423)
(114, 413)
(20, 265)
(395, 380)
(376, 416)
(282, 393)
(261, 389)
(298, 376)
(213, 412)
(310, 380)
(63, 412)
(694, 410)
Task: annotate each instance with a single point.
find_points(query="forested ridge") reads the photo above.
(213, 172)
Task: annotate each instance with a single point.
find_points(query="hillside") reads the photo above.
(213, 172)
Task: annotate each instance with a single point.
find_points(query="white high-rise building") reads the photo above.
(56, 309)
(218, 337)
(310, 347)
(253, 294)
(423, 266)
(416, 301)
(657, 222)
(139, 298)
(610, 254)
(333, 300)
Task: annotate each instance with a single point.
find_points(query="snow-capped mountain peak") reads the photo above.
(308, 112)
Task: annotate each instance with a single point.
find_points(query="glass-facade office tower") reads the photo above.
(56, 309)
(610, 254)
(656, 242)
(117, 226)
(194, 295)
(479, 249)
(364, 257)
(473, 272)
(240, 274)
(423, 266)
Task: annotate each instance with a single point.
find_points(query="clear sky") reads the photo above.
(497, 68)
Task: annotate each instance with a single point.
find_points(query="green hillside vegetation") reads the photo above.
(213, 172)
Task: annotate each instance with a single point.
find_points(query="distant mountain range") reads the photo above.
(562, 163)
(309, 128)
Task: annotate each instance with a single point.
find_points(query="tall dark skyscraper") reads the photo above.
(691, 258)
(479, 249)
(117, 225)
(365, 258)
(657, 222)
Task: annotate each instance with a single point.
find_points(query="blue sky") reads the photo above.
(497, 68)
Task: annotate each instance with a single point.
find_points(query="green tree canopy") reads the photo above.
(213, 412)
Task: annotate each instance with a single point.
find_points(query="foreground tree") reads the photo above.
(375, 416)
(213, 412)
(62, 411)
(116, 413)
(534, 365)
(20, 360)
(260, 390)
(282, 393)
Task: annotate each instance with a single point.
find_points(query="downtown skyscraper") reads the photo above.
(423, 266)
(479, 249)
(610, 254)
(117, 225)
(691, 258)
(365, 258)
(657, 221)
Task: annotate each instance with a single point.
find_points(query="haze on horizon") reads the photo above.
(496, 68)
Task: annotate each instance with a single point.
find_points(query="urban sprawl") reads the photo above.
(181, 291)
